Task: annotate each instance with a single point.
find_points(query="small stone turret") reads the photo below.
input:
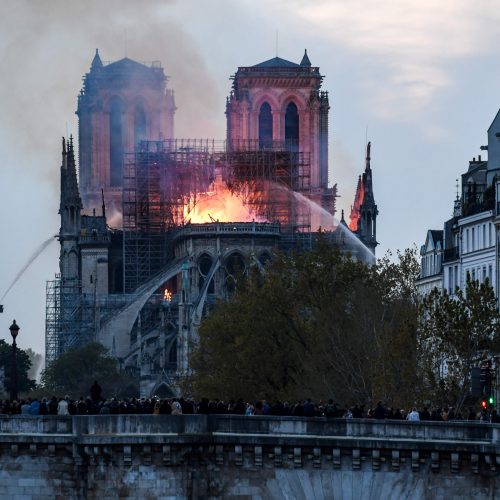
(367, 229)
(364, 210)
(70, 211)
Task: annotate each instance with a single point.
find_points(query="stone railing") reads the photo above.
(240, 228)
(255, 426)
(217, 455)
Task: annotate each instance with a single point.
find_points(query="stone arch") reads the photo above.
(296, 98)
(123, 321)
(265, 125)
(205, 262)
(265, 96)
(163, 391)
(292, 126)
(235, 265)
(257, 102)
(300, 103)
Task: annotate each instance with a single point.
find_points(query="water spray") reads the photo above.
(28, 263)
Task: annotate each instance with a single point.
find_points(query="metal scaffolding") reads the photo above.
(70, 317)
(163, 181)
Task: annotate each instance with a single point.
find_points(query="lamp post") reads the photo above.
(14, 330)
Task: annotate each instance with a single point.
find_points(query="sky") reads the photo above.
(417, 78)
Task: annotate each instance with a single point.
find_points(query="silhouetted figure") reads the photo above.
(308, 408)
(379, 412)
(95, 391)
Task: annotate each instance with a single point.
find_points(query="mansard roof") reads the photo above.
(276, 62)
(433, 241)
(437, 235)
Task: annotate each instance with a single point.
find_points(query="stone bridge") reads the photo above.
(229, 456)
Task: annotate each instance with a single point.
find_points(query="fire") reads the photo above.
(167, 295)
(219, 205)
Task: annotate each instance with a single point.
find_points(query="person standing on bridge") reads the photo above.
(95, 391)
(413, 416)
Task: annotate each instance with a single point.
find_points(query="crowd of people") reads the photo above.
(95, 404)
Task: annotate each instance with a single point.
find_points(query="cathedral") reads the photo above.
(154, 229)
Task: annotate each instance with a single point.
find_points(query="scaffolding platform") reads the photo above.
(163, 181)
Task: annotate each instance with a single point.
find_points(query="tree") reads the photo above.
(74, 372)
(23, 365)
(317, 324)
(456, 333)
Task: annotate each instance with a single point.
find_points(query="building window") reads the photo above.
(473, 275)
(484, 235)
(484, 274)
(265, 126)
(490, 239)
(467, 241)
(490, 274)
(457, 284)
(473, 245)
(292, 127)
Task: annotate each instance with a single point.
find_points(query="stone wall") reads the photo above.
(197, 456)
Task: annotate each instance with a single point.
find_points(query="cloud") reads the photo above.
(411, 42)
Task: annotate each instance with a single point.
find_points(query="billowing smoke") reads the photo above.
(48, 46)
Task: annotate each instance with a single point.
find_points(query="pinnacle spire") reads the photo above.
(70, 194)
(96, 62)
(342, 219)
(367, 179)
(305, 60)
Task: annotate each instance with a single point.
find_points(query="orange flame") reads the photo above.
(219, 205)
(167, 295)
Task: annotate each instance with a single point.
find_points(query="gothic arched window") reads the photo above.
(265, 126)
(115, 143)
(172, 355)
(139, 123)
(292, 127)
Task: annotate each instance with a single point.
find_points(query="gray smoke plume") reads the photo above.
(46, 48)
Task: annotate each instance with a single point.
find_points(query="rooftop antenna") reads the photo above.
(277, 38)
(457, 186)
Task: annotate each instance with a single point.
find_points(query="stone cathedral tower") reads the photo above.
(364, 211)
(279, 103)
(120, 104)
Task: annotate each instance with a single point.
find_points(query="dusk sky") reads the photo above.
(421, 76)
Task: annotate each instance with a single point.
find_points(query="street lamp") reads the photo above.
(14, 330)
